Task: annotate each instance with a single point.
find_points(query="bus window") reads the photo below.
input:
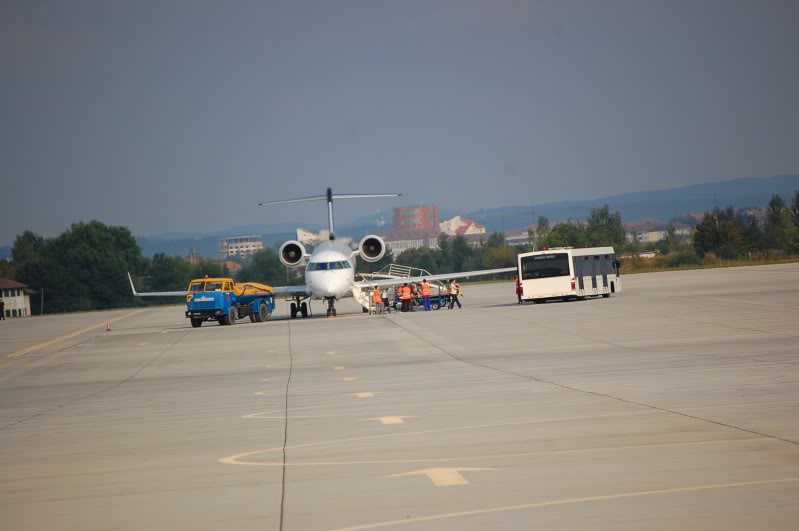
(545, 266)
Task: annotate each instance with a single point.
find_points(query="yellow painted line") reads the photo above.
(567, 501)
(234, 460)
(363, 395)
(338, 368)
(441, 477)
(347, 379)
(70, 336)
(390, 420)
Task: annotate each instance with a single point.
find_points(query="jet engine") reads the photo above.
(291, 253)
(372, 248)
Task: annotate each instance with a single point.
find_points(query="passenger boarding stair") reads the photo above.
(392, 271)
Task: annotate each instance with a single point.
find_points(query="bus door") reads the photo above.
(606, 268)
(579, 271)
(594, 266)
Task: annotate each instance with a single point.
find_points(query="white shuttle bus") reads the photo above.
(567, 273)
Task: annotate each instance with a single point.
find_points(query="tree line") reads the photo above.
(86, 266)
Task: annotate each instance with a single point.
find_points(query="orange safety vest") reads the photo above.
(406, 293)
(376, 298)
(425, 289)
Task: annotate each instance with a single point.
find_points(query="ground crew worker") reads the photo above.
(519, 289)
(426, 295)
(386, 303)
(377, 298)
(414, 297)
(406, 298)
(454, 291)
(2, 310)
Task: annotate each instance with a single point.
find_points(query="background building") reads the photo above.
(16, 297)
(240, 245)
(417, 220)
(459, 226)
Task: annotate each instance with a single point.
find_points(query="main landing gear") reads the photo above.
(299, 307)
(331, 306)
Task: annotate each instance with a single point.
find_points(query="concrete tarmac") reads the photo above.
(672, 405)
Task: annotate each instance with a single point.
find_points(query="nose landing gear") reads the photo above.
(331, 306)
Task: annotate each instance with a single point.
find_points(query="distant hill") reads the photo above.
(659, 204)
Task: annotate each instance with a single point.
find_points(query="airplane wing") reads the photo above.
(279, 290)
(445, 276)
(155, 293)
(290, 290)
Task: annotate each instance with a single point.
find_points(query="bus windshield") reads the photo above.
(545, 266)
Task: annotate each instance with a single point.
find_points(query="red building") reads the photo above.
(417, 220)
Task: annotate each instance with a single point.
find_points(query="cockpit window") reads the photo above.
(324, 266)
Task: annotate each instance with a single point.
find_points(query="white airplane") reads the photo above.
(330, 268)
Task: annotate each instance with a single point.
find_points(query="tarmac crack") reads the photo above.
(285, 431)
(594, 393)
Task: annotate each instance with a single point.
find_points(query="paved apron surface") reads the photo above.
(673, 404)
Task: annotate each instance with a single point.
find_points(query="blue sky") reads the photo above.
(179, 115)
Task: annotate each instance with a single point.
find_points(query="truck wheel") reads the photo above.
(293, 310)
(196, 323)
(435, 306)
(304, 310)
(263, 313)
(253, 318)
(234, 314)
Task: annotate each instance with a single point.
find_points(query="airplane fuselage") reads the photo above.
(330, 271)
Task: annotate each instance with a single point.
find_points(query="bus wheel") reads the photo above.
(196, 323)
(612, 287)
(605, 295)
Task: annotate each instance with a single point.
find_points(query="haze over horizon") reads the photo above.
(180, 116)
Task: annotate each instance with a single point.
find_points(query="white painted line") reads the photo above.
(347, 379)
(566, 501)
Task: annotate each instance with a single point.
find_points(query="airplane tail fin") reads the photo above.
(329, 197)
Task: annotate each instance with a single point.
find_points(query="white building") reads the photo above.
(461, 226)
(15, 297)
(239, 246)
(310, 238)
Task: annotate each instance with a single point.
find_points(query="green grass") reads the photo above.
(652, 265)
